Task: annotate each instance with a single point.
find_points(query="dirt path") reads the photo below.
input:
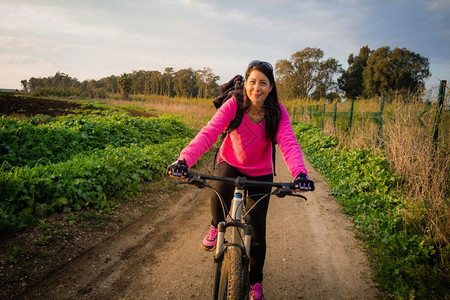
(312, 254)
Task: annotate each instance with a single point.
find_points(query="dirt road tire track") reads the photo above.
(312, 254)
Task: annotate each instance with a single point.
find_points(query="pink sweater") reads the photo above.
(246, 148)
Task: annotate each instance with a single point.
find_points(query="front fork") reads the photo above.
(236, 224)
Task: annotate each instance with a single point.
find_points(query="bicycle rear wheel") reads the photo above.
(231, 282)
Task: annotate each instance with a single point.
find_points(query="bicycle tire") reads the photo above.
(231, 284)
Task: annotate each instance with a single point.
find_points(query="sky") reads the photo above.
(94, 39)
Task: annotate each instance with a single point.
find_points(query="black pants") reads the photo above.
(258, 215)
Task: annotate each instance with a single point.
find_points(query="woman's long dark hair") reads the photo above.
(271, 105)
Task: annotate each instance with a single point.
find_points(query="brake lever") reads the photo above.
(197, 181)
(300, 196)
(284, 191)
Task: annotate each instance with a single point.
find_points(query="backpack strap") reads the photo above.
(274, 149)
(234, 124)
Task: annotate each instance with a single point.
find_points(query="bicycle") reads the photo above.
(232, 258)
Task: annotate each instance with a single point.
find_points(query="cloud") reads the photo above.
(441, 6)
(92, 39)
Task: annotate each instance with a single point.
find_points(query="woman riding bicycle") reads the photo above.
(247, 151)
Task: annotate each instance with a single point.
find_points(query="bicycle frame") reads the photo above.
(237, 224)
(237, 250)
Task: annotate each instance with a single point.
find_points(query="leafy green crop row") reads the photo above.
(27, 143)
(83, 181)
(72, 162)
(406, 261)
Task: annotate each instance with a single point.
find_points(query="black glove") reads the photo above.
(178, 169)
(302, 182)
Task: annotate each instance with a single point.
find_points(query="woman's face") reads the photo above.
(258, 87)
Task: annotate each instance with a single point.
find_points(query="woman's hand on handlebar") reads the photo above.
(303, 183)
(178, 169)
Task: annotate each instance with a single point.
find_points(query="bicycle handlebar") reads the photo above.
(283, 188)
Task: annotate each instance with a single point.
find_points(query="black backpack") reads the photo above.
(226, 92)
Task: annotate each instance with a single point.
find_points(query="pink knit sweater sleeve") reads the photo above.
(289, 146)
(209, 134)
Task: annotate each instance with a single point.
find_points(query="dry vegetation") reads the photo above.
(424, 169)
(195, 112)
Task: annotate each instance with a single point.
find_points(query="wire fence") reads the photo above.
(345, 116)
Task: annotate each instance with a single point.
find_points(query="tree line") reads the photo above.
(182, 83)
(370, 73)
(307, 74)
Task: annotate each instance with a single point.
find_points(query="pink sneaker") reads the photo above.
(256, 292)
(209, 242)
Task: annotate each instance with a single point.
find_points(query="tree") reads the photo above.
(377, 72)
(124, 83)
(167, 82)
(110, 84)
(61, 82)
(326, 86)
(58, 83)
(351, 81)
(141, 82)
(184, 83)
(35, 83)
(307, 74)
(207, 83)
(399, 70)
(409, 70)
(286, 80)
(156, 79)
(93, 88)
(25, 87)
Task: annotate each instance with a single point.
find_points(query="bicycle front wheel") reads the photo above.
(232, 284)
